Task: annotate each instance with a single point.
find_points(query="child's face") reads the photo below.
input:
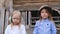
(44, 14)
(16, 18)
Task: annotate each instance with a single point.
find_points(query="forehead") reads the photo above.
(16, 16)
(43, 10)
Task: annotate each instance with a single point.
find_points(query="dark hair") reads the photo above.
(48, 10)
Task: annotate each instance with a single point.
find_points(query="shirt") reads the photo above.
(45, 26)
(15, 29)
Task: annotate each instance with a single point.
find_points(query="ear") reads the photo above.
(10, 19)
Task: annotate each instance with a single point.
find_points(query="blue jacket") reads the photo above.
(45, 26)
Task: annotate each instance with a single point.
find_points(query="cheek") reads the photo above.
(17, 21)
(13, 20)
(46, 14)
(42, 14)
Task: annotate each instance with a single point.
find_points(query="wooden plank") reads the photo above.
(54, 0)
(29, 1)
(6, 19)
(2, 20)
(1, 15)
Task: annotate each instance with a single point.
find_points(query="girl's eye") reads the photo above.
(42, 12)
(16, 18)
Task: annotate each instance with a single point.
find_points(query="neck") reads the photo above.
(44, 18)
(16, 24)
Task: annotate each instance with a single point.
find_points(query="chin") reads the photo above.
(45, 18)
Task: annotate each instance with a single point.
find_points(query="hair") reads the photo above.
(16, 12)
(48, 10)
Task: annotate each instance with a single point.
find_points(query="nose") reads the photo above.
(15, 19)
(44, 13)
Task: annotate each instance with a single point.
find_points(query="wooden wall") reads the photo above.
(6, 7)
(19, 3)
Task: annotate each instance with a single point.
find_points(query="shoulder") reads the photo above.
(9, 26)
(22, 26)
(37, 22)
(52, 22)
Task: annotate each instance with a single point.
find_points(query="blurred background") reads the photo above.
(30, 12)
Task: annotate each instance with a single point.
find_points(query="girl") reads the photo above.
(45, 25)
(15, 27)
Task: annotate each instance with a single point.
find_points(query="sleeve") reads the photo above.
(23, 30)
(7, 30)
(36, 28)
(53, 28)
